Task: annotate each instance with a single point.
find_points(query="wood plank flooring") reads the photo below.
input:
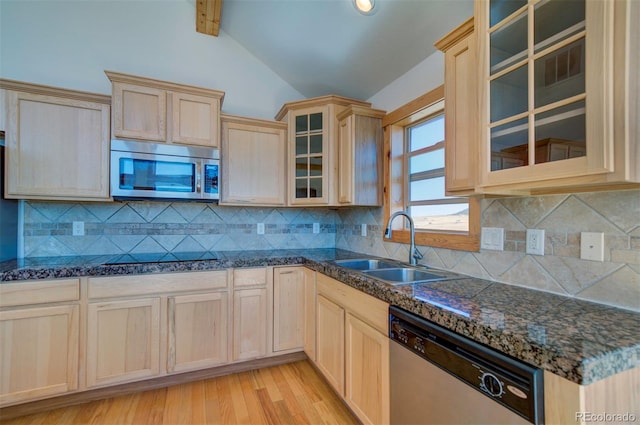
(292, 393)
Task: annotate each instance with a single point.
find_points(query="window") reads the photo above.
(416, 173)
(426, 202)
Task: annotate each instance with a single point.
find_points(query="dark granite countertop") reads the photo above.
(578, 340)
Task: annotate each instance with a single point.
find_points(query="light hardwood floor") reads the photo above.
(292, 393)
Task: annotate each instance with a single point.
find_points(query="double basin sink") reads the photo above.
(388, 272)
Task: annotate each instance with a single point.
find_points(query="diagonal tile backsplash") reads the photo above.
(144, 227)
(138, 227)
(615, 281)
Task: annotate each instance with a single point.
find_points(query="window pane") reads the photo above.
(301, 167)
(509, 94)
(316, 144)
(560, 74)
(302, 123)
(315, 121)
(301, 145)
(427, 161)
(508, 45)
(426, 189)
(301, 188)
(500, 9)
(315, 166)
(441, 217)
(561, 133)
(315, 188)
(427, 133)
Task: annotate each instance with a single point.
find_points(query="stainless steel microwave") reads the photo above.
(142, 170)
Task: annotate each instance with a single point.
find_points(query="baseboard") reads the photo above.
(66, 400)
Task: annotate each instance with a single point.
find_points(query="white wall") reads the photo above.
(420, 79)
(70, 43)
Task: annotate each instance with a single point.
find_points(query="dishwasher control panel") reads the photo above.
(509, 382)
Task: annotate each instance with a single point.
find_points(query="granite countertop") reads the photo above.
(578, 340)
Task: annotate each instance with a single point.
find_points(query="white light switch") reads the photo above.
(260, 228)
(363, 229)
(78, 228)
(592, 246)
(492, 238)
(316, 227)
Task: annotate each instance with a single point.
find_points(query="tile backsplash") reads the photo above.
(145, 227)
(141, 227)
(614, 281)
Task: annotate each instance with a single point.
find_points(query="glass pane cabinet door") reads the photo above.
(536, 85)
(309, 156)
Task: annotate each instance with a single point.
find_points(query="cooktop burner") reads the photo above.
(162, 257)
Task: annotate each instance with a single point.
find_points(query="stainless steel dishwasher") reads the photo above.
(440, 377)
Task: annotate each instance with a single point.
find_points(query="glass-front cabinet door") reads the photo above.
(308, 156)
(547, 91)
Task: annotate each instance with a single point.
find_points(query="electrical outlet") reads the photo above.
(78, 228)
(492, 238)
(535, 241)
(363, 229)
(260, 228)
(316, 227)
(592, 246)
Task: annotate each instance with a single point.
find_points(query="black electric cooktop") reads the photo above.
(162, 257)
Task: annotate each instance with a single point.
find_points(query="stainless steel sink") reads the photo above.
(365, 264)
(404, 275)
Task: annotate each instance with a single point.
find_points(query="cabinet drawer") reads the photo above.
(39, 292)
(249, 277)
(128, 285)
(369, 309)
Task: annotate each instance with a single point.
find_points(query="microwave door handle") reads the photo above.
(199, 177)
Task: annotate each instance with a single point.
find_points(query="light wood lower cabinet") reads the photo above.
(38, 352)
(123, 341)
(330, 342)
(198, 331)
(353, 348)
(249, 323)
(367, 371)
(288, 308)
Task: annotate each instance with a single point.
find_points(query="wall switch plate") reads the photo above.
(316, 227)
(363, 229)
(592, 246)
(535, 241)
(78, 228)
(492, 238)
(260, 228)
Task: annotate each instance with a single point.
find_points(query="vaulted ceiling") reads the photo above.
(325, 47)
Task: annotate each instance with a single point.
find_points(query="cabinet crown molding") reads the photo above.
(362, 111)
(455, 35)
(45, 90)
(252, 121)
(164, 85)
(319, 101)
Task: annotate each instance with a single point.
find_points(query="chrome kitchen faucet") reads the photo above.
(414, 254)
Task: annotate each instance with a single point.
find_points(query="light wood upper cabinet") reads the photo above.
(460, 109)
(198, 331)
(253, 161)
(360, 156)
(288, 308)
(567, 85)
(57, 143)
(148, 109)
(313, 148)
(39, 339)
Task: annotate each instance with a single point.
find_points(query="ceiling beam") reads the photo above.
(208, 16)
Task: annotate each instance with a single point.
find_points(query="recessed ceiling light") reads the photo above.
(366, 7)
